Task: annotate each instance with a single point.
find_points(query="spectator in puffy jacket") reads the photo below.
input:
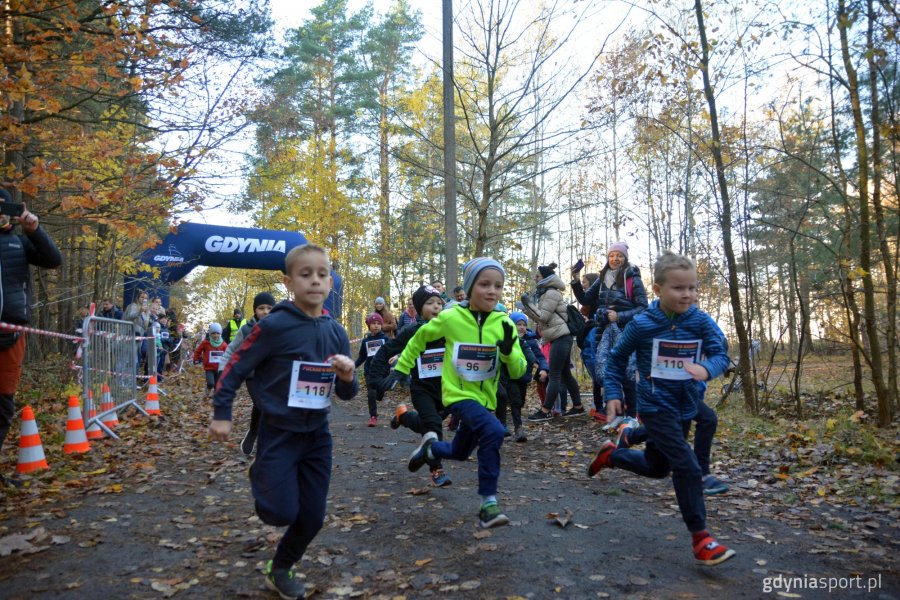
(548, 308)
(17, 252)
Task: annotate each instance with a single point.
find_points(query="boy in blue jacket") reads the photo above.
(300, 357)
(369, 347)
(669, 338)
(516, 388)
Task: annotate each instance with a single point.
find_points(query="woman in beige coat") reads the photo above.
(548, 308)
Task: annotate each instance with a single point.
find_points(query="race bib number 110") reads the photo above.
(670, 357)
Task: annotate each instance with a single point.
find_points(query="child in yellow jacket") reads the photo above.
(477, 339)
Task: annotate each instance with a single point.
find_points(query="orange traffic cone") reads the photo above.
(76, 438)
(111, 420)
(31, 452)
(152, 405)
(93, 431)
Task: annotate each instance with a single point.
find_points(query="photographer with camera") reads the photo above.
(17, 251)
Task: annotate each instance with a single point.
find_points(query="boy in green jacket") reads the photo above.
(477, 338)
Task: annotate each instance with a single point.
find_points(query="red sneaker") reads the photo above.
(598, 416)
(373, 421)
(708, 552)
(602, 460)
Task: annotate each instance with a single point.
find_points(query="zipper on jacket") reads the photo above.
(683, 383)
(480, 326)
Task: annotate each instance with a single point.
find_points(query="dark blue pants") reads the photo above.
(667, 451)
(478, 427)
(707, 423)
(289, 480)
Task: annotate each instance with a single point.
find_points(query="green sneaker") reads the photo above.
(490, 515)
(285, 582)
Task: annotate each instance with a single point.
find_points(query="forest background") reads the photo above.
(759, 139)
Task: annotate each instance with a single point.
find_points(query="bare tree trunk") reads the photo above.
(803, 325)
(885, 404)
(450, 225)
(749, 387)
(890, 274)
(384, 199)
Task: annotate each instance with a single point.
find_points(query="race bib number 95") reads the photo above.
(430, 363)
(670, 357)
(311, 385)
(475, 362)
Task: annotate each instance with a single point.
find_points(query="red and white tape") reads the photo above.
(25, 329)
(65, 336)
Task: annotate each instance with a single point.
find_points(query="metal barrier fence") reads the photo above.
(109, 369)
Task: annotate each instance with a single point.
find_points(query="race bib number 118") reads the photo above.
(311, 385)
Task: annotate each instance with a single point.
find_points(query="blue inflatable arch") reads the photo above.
(195, 244)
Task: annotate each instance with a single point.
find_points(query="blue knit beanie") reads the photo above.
(474, 267)
(518, 316)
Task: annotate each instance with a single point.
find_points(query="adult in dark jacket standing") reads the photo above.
(108, 310)
(619, 295)
(17, 252)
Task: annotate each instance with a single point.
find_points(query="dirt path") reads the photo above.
(166, 512)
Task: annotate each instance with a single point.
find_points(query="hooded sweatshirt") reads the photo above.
(655, 394)
(286, 335)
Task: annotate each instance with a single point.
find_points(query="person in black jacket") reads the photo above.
(425, 384)
(17, 252)
(374, 340)
(108, 310)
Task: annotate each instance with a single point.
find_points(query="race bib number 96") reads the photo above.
(670, 357)
(311, 385)
(475, 362)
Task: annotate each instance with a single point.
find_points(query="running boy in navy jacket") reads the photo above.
(670, 337)
(300, 357)
(374, 340)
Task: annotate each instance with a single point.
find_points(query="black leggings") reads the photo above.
(561, 372)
